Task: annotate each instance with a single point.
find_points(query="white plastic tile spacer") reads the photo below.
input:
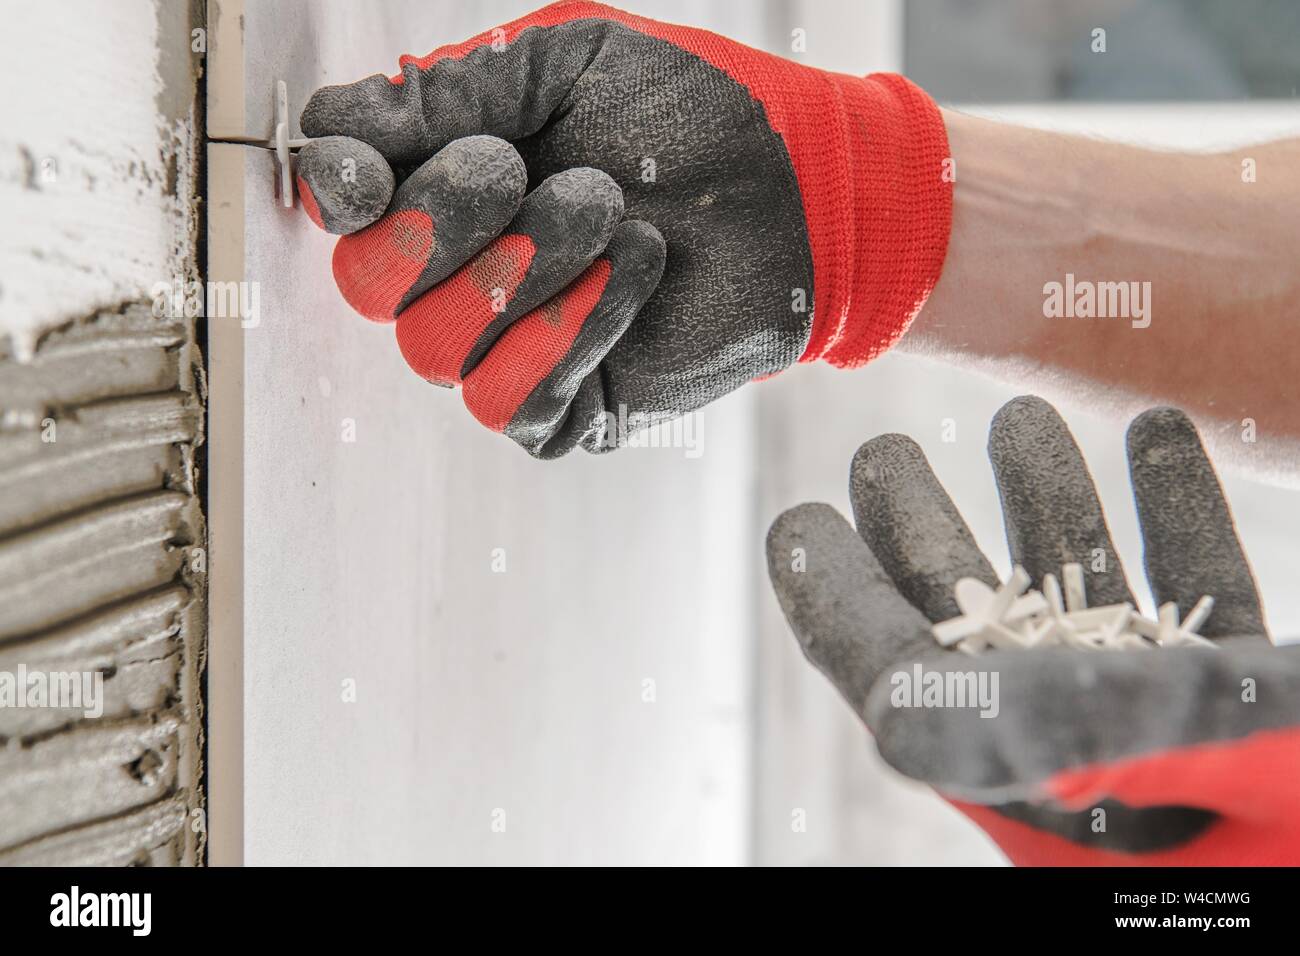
(1052, 594)
(985, 612)
(1174, 634)
(1076, 597)
(1167, 635)
(1115, 632)
(283, 144)
(1012, 616)
(1197, 615)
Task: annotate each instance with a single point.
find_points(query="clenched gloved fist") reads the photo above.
(1163, 756)
(603, 221)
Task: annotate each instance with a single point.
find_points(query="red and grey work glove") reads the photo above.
(1170, 756)
(606, 221)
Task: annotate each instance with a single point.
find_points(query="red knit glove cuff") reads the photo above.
(896, 221)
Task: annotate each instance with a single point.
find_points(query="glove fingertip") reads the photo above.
(590, 202)
(1163, 427)
(323, 112)
(794, 541)
(1191, 545)
(644, 251)
(344, 184)
(793, 525)
(849, 619)
(912, 526)
(345, 109)
(1019, 428)
(879, 461)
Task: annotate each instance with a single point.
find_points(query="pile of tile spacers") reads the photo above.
(1016, 618)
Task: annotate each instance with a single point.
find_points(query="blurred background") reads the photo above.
(1027, 51)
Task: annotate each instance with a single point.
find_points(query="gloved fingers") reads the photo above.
(561, 227)
(1190, 542)
(912, 527)
(343, 184)
(505, 82)
(526, 384)
(1049, 503)
(440, 216)
(1003, 723)
(849, 618)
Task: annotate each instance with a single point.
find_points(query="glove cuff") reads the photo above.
(889, 234)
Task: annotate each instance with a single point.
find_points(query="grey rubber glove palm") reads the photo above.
(1193, 755)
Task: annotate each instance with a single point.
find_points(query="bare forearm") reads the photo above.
(1209, 262)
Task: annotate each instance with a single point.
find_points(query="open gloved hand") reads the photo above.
(1169, 756)
(601, 221)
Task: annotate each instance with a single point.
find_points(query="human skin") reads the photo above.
(1222, 255)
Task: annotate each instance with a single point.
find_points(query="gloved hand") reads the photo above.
(691, 201)
(1193, 753)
